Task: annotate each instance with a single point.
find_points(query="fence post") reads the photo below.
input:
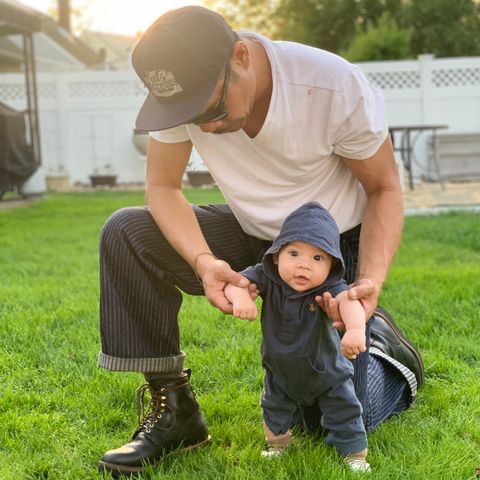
(63, 114)
(426, 85)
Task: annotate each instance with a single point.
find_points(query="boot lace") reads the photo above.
(156, 408)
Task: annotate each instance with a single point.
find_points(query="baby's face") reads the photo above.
(303, 266)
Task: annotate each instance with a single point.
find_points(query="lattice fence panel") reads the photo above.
(78, 90)
(395, 80)
(456, 77)
(12, 92)
(47, 91)
(140, 90)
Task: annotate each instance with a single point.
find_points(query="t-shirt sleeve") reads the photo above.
(338, 287)
(256, 275)
(359, 126)
(172, 135)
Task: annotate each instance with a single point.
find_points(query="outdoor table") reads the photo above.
(410, 134)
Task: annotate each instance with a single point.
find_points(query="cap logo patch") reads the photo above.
(161, 83)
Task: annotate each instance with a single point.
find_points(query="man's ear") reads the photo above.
(275, 258)
(240, 54)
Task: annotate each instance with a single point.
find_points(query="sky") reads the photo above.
(126, 17)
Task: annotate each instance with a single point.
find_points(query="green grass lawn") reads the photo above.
(59, 412)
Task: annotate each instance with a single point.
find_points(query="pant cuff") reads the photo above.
(171, 364)
(403, 369)
(352, 446)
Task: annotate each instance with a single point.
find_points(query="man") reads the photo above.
(278, 124)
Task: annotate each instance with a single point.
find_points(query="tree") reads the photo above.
(446, 28)
(328, 24)
(81, 18)
(386, 41)
(371, 11)
(248, 14)
(442, 27)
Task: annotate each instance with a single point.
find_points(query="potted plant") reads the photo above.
(197, 172)
(103, 177)
(57, 179)
(140, 140)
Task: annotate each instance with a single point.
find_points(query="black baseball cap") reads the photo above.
(179, 59)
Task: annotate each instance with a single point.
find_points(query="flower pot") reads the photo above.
(200, 178)
(58, 183)
(140, 140)
(103, 180)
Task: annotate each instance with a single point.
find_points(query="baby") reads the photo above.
(301, 351)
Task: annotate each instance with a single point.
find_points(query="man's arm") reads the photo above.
(382, 226)
(166, 164)
(382, 222)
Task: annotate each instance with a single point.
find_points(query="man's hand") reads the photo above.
(363, 290)
(215, 274)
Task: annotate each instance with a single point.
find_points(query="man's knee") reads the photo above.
(120, 224)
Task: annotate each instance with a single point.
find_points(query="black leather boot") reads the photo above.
(387, 336)
(173, 420)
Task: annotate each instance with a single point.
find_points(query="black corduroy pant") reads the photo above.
(141, 276)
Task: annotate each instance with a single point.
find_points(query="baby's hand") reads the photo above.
(245, 310)
(353, 342)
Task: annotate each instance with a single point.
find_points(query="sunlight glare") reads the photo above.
(122, 17)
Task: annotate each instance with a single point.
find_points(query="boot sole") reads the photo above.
(379, 311)
(116, 470)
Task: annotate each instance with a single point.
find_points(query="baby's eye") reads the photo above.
(317, 258)
(293, 253)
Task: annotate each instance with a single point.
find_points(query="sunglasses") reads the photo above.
(218, 111)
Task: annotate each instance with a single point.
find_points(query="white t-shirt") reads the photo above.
(322, 108)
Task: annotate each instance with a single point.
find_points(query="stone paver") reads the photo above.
(424, 198)
(432, 197)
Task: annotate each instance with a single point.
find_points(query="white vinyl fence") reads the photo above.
(86, 118)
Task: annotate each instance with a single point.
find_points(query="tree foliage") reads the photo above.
(446, 28)
(385, 41)
(366, 29)
(259, 16)
(80, 14)
(371, 11)
(328, 24)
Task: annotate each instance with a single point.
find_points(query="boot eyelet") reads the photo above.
(148, 430)
(159, 416)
